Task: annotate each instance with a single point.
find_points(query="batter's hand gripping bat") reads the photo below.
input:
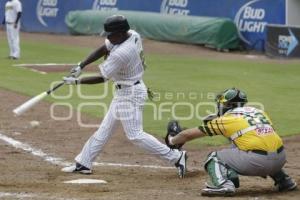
(33, 101)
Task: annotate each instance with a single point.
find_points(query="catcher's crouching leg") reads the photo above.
(224, 180)
(283, 182)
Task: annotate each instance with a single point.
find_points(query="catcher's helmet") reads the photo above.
(115, 24)
(229, 99)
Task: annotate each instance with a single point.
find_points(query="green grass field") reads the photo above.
(275, 86)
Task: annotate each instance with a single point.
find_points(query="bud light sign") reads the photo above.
(105, 5)
(175, 7)
(46, 9)
(252, 18)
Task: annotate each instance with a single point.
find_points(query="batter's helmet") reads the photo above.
(229, 99)
(115, 24)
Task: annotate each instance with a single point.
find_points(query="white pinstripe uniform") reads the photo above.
(11, 10)
(125, 67)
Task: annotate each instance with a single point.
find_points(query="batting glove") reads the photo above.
(69, 80)
(76, 71)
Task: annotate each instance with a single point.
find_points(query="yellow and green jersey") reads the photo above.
(247, 127)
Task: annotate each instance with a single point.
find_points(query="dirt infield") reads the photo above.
(29, 172)
(27, 176)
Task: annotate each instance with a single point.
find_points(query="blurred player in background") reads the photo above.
(257, 149)
(13, 12)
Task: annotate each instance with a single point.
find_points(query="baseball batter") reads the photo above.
(13, 11)
(257, 149)
(125, 66)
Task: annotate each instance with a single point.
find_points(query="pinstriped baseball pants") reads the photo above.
(126, 106)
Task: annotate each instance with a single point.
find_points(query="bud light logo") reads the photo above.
(250, 19)
(105, 5)
(175, 7)
(46, 9)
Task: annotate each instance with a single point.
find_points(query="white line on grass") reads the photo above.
(43, 64)
(33, 70)
(38, 71)
(60, 161)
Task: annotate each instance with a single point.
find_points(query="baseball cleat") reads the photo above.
(287, 184)
(181, 164)
(222, 191)
(77, 168)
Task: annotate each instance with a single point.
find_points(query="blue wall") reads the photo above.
(251, 16)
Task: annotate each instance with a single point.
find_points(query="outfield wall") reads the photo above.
(250, 16)
(216, 32)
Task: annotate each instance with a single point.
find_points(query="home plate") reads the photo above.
(86, 181)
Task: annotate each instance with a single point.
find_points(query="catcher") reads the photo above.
(256, 149)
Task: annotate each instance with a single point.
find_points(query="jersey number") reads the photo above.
(258, 118)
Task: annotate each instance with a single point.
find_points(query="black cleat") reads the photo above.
(77, 168)
(287, 184)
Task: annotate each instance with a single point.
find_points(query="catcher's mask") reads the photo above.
(229, 99)
(115, 24)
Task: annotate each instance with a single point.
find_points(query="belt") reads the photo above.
(119, 86)
(262, 152)
(9, 22)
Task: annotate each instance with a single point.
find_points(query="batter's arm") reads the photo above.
(91, 80)
(95, 55)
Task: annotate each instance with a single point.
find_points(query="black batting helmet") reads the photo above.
(115, 24)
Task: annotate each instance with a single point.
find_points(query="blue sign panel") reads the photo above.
(47, 15)
(2, 5)
(250, 16)
(135, 5)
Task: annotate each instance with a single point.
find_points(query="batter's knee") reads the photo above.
(134, 135)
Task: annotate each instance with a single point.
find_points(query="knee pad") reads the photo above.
(220, 172)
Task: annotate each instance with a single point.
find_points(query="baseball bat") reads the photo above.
(33, 101)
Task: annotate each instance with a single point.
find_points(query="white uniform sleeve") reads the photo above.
(18, 6)
(111, 65)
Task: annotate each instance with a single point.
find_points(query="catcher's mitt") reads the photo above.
(173, 129)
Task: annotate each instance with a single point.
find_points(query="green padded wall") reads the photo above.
(220, 33)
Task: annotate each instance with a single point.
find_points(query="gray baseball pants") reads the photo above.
(249, 163)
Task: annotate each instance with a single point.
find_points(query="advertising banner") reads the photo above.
(250, 16)
(47, 15)
(283, 41)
